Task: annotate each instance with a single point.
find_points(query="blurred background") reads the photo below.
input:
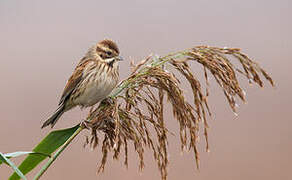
(42, 41)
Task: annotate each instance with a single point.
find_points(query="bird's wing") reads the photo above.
(74, 80)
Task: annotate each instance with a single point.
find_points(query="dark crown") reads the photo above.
(108, 44)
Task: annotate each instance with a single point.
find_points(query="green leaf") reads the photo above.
(11, 164)
(19, 153)
(48, 145)
(3, 160)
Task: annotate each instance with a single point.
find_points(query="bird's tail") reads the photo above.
(54, 118)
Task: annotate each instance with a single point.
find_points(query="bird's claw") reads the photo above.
(107, 101)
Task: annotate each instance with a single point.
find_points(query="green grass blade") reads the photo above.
(2, 160)
(48, 145)
(20, 153)
(11, 164)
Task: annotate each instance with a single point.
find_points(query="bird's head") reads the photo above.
(108, 51)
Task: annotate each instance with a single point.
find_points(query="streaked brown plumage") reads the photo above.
(93, 79)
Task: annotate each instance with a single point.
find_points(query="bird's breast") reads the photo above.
(97, 85)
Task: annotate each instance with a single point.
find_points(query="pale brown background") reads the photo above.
(41, 42)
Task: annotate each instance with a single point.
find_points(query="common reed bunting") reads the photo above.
(95, 76)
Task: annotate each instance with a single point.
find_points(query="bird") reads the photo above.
(93, 79)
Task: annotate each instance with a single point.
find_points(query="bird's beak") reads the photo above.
(119, 58)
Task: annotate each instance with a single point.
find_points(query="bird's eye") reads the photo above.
(109, 53)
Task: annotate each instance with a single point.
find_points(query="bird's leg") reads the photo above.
(91, 109)
(107, 101)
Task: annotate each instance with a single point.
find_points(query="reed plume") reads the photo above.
(134, 112)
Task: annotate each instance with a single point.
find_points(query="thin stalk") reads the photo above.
(162, 61)
(53, 158)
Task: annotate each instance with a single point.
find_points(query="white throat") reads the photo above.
(112, 62)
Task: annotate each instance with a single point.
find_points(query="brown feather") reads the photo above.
(74, 80)
(110, 45)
